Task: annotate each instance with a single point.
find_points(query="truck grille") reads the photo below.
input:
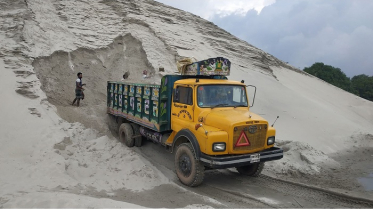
(249, 137)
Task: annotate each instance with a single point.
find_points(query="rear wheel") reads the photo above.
(136, 132)
(126, 134)
(189, 170)
(251, 170)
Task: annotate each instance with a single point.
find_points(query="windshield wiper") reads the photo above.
(241, 105)
(220, 105)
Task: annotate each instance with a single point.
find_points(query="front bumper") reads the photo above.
(216, 162)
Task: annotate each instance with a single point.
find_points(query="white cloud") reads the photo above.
(207, 9)
(237, 7)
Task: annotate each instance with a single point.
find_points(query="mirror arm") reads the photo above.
(254, 94)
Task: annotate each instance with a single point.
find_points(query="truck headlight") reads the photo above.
(270, 140)
(218, 147)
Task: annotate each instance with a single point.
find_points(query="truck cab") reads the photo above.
(218, 111)
(215, 119)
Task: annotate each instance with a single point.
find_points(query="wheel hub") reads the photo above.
(185, 165)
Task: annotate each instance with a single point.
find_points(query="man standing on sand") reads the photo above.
(144, 74)
(78, 89)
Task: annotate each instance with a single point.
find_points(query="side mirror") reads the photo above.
(254, 94)
(175, 95)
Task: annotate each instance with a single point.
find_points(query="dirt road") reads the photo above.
(235, 191)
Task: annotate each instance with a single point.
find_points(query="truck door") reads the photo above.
(182, 106)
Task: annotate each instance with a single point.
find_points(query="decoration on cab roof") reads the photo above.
(211, 66)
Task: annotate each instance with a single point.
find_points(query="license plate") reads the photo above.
(254, 158)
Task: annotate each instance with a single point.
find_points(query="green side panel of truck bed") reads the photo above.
(145, 104)
(139, 103)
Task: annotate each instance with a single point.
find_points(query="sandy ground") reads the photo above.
(52, 152)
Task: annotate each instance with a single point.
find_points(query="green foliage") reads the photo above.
(331, 75)
(361, 85)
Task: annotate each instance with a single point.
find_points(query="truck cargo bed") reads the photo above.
(148, 105)
(139, 103)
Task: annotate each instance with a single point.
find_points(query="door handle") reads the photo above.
(185, 107)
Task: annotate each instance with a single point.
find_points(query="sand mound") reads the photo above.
(360, 140)
(348, 169)
(299, 159)
(57, 74)
(105, 164)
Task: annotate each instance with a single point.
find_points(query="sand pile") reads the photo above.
(41, 152)
(105, 164)
(51, 147)
(299, 159)
(57, 74)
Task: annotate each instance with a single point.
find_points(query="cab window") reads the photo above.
(183, 95)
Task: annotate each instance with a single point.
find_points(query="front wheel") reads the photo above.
(251, 170)
(189, 170)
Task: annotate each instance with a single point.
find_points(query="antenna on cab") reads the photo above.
(275, 121)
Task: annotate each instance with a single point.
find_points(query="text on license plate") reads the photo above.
(254, 158)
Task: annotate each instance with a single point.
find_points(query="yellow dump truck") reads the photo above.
(200, 115)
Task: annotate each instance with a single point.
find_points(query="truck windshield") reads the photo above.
(221, 96)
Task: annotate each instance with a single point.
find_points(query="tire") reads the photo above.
(251, 170)
(136, 132)
(189, 170)
(125, 134)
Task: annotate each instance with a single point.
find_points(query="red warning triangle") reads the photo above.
(245, 141)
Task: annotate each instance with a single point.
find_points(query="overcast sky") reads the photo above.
(336, 32)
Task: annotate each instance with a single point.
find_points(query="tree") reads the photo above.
(363, 85)
(331, 75)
